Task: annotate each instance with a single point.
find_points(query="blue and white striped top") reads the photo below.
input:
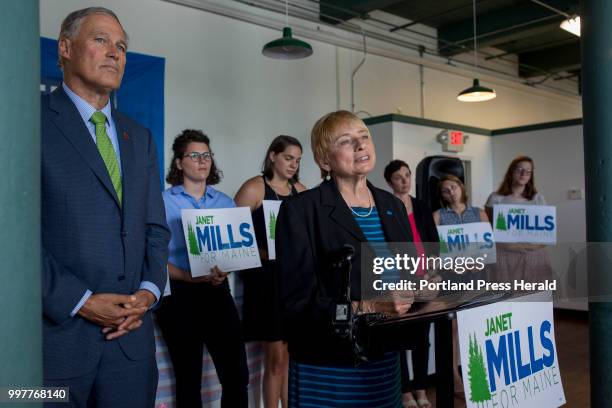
(370, 225)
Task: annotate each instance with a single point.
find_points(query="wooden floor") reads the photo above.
(572, 337)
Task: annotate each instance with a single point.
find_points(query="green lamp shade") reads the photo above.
(476, 93)
(287, 47)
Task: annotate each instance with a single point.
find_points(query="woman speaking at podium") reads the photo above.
(344, 209)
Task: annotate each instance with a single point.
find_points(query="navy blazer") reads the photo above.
(310, 228)
(89, 241)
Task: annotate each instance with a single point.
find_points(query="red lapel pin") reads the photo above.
(126, 136)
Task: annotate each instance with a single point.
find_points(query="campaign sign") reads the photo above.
(509, 356)
(532, 224)
(270, 209)
(472, 240)
(222, 237)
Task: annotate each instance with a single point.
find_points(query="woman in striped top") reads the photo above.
(311, 228)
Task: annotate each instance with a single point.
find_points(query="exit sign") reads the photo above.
(453, 142)
(455, 138)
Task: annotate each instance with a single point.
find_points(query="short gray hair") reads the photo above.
(72, 23)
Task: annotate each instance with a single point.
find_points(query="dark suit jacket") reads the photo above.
(91, 242)
(423, 218)
(310, 227)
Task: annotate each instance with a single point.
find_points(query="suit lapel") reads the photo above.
(126, 147)
(71, 125)
(339, 212)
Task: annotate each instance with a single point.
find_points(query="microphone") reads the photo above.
(342, 320)
(344, 254)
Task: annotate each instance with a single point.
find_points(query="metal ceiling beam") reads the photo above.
(535, 47)
(556, 59)
(343, 10)
(548, 6)
(494, 27)
(336, 21)
(432, 16)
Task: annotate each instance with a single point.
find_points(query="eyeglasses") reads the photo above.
(520, 170)
(197, 156)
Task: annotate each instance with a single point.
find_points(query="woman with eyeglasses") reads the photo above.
(200, 311)
(522, 260)
(261, 315)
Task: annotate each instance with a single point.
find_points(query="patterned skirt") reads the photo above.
(532, 265)
(372, 385)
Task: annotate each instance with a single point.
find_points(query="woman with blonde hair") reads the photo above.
(345, 209)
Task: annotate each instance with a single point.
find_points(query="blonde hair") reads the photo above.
(323, 131)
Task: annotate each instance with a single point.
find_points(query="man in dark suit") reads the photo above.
(104, 232)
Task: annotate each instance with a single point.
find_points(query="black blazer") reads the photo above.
(423, 217)
(310, 227)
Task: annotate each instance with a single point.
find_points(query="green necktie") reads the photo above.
(105, 147)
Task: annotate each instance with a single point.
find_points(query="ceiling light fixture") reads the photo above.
(572, 25)
(287, 47)
(476, 92)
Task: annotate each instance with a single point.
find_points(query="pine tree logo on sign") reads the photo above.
(193, 242)
(501, 222)
(443, 246)
(477, 374)
(272, 225)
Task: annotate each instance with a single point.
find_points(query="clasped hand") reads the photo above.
(117, 314)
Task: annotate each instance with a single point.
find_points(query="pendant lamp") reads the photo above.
(287, 47)
(476, 92)
(572, 25)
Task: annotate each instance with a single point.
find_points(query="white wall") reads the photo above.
(217, 80)
(382, 136)
(383, 86)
